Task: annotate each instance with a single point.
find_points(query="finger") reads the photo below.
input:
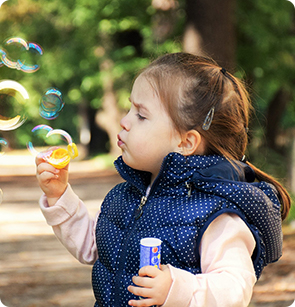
(142, 281)
(149, 270)
(39, 159)
(142, 302)
(142, 292)
(42, 156)
(47, 176)
(46, 167)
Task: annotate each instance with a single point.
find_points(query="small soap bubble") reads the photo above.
(56, 145)
(51, 104)
(14, 47)
(34, 51)
(13, 97)
(3, 145)
(39, 136)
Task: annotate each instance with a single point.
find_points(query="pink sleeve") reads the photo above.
(228, 275)
(72, 225)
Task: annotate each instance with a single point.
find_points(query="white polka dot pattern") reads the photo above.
(179, 218)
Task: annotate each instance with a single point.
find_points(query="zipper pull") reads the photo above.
(189, 186)
(138, 212)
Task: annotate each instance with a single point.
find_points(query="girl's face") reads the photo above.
(148, 134)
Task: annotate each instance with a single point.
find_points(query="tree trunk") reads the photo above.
(109, 117)
(210, 30)
(274, 115)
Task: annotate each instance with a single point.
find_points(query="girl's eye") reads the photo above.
(140, 117)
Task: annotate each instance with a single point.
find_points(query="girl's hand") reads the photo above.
(52, 181)
(153, 286)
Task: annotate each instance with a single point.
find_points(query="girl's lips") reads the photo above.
(120, 143)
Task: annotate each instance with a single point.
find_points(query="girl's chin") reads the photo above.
(130, 163)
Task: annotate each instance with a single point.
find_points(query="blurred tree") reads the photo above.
(210, 30)
(266, 52)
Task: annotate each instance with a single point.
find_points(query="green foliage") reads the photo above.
(266, 48)
(291, 216)
(265, 55)
(77, 37)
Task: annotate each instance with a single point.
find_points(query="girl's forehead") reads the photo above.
(145, 95)
(141, 86)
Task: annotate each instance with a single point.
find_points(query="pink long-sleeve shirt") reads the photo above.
(226, 247)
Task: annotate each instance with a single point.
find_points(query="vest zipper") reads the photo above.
(122, 260)
(189, 186)
(139, 211)
(138, 214)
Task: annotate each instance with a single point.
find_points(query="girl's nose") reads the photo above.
(124, 123)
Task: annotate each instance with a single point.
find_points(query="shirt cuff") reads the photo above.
(64, 208)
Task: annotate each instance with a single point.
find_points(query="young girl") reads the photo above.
(219, 219)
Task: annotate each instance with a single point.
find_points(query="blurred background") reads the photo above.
(91, 52)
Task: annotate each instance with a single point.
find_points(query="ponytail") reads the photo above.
(210, 100)
(283, 195)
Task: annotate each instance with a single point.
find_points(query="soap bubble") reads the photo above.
(13, 97)
(64, 149)
(51, 104)
(15, 47)
(39, 133)
(18, 53)
(34, 50)
(3, 144)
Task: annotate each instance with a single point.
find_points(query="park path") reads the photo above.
(36, 270)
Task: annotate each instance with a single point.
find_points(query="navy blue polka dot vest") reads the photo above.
(188, 194)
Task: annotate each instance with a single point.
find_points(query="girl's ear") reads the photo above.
(192, 143)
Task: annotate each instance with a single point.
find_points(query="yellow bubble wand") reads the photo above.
(60, 157)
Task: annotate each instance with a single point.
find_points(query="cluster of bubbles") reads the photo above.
(20, 63)
(14, 98)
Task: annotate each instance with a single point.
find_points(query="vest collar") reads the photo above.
(177, 168)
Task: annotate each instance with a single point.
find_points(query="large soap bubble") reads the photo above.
(18, 54)
(63, 151)
(51, 104)
(13, 97)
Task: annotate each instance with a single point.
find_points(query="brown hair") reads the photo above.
(189, 86)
